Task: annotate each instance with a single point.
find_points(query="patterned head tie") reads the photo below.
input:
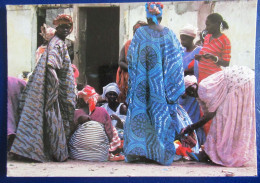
(153, 10)
(75, 70)
(189, 80)
(110, 87)
(189, 30)
(47, 32)
(90, 96)
(63, 19)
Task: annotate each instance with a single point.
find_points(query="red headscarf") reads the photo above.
(90, 96)
(63, 19)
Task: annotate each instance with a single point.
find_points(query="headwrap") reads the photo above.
(189, 80)
(110, 87)
(76, 72)
(189, 30)
(63, 19)
(47, 32)
(154, 10)
(90, 96)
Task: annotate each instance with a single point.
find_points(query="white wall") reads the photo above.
(240, 15)
(241, 18)
(21, 26)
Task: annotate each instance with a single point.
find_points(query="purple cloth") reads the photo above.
(15, 87)
(100, 115)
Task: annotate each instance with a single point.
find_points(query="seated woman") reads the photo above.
(227, 97)
(116, 110)
(93, 127)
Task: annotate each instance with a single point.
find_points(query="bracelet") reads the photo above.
(216, 60)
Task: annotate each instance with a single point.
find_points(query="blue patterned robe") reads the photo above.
(47, 105)
(155, 83)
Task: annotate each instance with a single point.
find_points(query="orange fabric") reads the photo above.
(191, 64)
(122, 78)
(127, 44)
(39, 52)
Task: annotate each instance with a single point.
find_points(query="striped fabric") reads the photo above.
(47, 107)
(89, 142)
(220, 47)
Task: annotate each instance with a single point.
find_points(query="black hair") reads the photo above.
(140, 23)
(215, 17)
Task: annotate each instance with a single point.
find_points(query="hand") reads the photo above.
(119, 124)
(114, 117)
(209, 56)
(188, 129)
(189, 140)
(83, 119)
(197, 57)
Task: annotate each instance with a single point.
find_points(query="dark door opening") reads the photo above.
(41, 16)
(102, 46)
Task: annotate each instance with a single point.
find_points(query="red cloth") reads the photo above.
(90, 96)
(182, 151)
(122, 78)
(220, 47)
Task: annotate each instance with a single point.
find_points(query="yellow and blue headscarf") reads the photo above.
(154, 10)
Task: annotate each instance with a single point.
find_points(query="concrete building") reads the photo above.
(100, 30)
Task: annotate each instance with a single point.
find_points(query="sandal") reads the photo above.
(118, 157)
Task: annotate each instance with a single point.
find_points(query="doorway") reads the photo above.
(99, 45)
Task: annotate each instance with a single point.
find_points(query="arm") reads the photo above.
(200, 123)
(122, 62)
(120, 120)
(119, 123)
(217, 60)
(108, 127)
(123, 109)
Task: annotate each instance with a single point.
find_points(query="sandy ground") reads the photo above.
(76, 168)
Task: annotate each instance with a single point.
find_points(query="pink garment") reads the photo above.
(231, 140)
(15, 88)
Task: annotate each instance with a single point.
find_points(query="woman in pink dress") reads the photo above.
(227, 97)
